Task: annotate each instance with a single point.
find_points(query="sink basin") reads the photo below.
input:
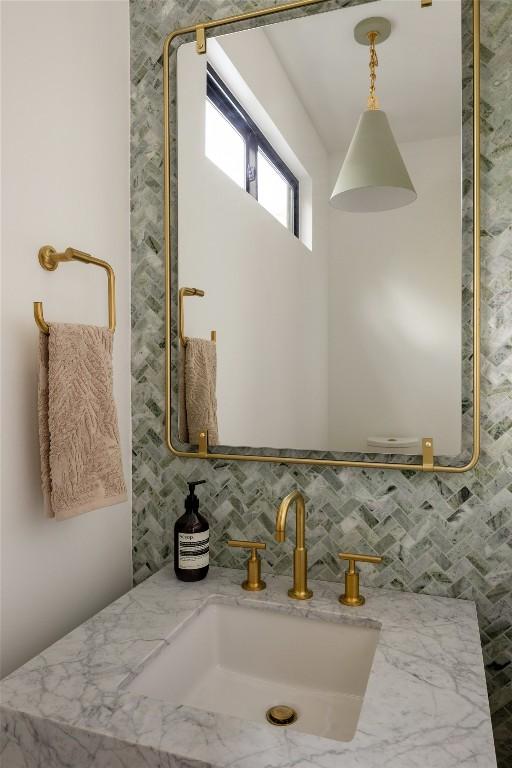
(241, 661)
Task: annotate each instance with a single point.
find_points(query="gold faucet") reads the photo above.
(300, 590)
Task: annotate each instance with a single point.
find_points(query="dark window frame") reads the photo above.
(228, 105)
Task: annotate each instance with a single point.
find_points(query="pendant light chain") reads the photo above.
(373, 102)
(373, 176)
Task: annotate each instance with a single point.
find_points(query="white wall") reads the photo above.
(395, 311)
(266, 290)
(65, 181)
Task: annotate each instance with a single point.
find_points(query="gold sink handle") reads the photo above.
(351, 595)
(254, 582)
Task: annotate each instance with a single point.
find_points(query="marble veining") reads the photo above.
(426, 702)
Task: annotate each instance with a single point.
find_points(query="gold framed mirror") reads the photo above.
(422, 457)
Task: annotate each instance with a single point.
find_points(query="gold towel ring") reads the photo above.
(189, 292)
(49, 259)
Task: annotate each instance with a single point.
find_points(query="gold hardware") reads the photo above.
(203, 443)
(427, 450)
(281, 715)
(200, 39)
(426, 3)
(373, 102)
(352, 596)
(300, 590)
(49, 259)
(189, 292)
(212, 24)
(254, 582)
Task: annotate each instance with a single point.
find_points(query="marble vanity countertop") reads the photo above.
(425, 706)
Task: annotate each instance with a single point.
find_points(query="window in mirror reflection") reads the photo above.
(274, 192)
(237, 146)
(224, 146)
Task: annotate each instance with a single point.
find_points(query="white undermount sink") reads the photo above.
(241, 661)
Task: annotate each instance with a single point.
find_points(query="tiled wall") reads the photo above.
(440, 534)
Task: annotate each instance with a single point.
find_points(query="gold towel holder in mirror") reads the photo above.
(189, 292)
(49, 259)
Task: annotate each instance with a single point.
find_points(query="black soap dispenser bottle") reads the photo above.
(191, 540)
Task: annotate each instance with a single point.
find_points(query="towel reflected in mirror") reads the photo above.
(197, 391)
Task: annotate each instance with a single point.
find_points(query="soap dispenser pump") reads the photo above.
(191, 540)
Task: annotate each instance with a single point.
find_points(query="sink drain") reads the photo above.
(281, 715)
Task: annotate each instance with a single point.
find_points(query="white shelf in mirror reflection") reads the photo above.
(410, 445)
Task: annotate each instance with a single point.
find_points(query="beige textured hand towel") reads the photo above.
(197, 391)
(81, 466)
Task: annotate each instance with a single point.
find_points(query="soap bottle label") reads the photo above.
(193, 550)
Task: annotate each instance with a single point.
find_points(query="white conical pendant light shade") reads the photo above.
(373, 176)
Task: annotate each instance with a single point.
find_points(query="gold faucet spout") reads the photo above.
(300, 590)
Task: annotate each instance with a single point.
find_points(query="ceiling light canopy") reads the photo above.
(373, 176)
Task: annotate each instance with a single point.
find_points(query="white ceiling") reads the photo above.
(418, 78)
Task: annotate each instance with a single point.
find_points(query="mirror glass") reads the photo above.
(325, 233)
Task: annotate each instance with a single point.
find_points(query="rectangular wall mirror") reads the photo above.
(321, 199)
